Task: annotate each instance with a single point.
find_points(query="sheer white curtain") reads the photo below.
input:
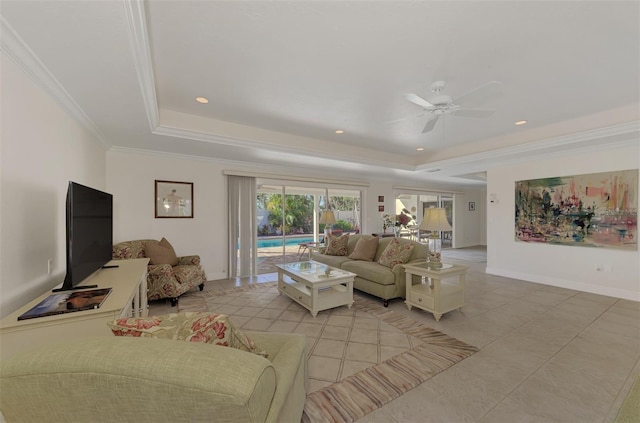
(242, 225)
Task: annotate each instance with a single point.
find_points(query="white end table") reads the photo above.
(314, 247)
(433, 294)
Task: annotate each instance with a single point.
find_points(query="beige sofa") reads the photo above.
(374, 278)
(126, 379)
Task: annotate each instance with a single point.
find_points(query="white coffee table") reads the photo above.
(316, 286)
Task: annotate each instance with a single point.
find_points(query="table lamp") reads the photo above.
(435, 220)
(328, 219)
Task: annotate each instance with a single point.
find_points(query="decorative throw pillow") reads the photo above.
(396, 253)
(365, 249)
(209, 328)
(161, 253)
(337, 245)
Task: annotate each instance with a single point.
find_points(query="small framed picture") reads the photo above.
(472, 206)
(173, 199)
(380, 198)
(381, 208)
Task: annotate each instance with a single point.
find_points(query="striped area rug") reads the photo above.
(360, 394)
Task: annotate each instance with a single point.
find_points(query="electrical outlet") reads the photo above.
(608, 268)
(49, 265)
(598, 268)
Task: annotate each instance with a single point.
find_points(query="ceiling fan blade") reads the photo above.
(479, 95)
(430, 125)
(473, 113)
(419, 101)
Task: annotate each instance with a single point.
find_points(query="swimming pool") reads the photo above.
(277, 242)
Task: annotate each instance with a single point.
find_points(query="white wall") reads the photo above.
(131, 179)
(469, 226)
(42, 149)
(373, 217)
(565, 266)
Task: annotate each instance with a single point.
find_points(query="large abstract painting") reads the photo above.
(592, 210)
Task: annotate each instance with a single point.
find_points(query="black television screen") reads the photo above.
(89, 233)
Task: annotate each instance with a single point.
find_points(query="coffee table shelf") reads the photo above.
(308, 284)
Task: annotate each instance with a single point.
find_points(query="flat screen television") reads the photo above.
(89, 220)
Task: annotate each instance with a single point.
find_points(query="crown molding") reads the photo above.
(248, 143)
(21, 54)
(423, 190)
(171, 155)
(628, 134)
(238, 164)
(141, 51)
(299, 178)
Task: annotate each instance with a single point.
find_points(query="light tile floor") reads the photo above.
(547, 354)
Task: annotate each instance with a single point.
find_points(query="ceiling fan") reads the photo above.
(440, 104)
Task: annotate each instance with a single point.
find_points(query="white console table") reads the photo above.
(128, 298)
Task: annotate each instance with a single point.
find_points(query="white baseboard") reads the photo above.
(569, 284)
(213, 276)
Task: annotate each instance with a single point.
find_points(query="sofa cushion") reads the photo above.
(396, 253)
(337, 245)
(209, 328)
(161, 253)
(365, 249)
(371, 271)
(353, 241)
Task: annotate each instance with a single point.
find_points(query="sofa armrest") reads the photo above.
(316, 254)
(288, 354)
(400, 274)
(399, 269)
(189, 260)
(158, 379)
(159, 270)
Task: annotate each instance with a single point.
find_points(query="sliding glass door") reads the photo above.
(285, 221)
(289, 219)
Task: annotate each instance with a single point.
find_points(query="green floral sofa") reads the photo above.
(375, 278)
(125, 379)
(164, 280)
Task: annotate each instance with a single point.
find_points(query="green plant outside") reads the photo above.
(298, 214)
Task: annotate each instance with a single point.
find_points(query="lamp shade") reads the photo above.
(328, 218)
(435, 219)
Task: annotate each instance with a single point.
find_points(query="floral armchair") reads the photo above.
(164, 280)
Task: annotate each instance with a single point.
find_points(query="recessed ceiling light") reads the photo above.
(520, 122)
(420, 149)
(339, 131)
(202, 100)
